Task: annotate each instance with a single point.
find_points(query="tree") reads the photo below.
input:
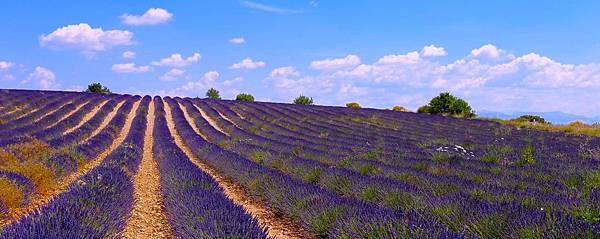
(532, 119)
(353, 105)
(448, 104)
(244, 97)
(213, 94)
(400, 108)
(303, 100)
(97, 88)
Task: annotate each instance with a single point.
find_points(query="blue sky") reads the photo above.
(498, 55)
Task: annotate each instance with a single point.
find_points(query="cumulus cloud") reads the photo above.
(433, 50)
(286, 71)
(44, 78)
(172, 74)
(153, 16)
(207, 80)
(237, 40)
(176, 60)
(248, 63)
(5, 65)
(488, 77)
(488, 51)
(86, 39)
(128, 55)
(130, 68)
(336, 63)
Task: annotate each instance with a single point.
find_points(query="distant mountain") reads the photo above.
(554, 117)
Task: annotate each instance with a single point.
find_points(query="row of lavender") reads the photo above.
(195, 205)
(373, 188)
(322, 212)
(37, 171)
(98, 204)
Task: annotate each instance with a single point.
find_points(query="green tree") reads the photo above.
(244, 97)
(213, 94)
(532, 119)
(399, 108)
(353, 105)
(303, 100)
(97, 88)
(448, 104)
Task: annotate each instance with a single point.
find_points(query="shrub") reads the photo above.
(526, 156)
(448, 104)
(97, 88)
(244, 97)
(213, 94)
(353, 105)
(303, 100)
(400, 108)
(532, 119)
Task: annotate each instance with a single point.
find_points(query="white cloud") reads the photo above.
(45, 78)
(282, 72)
(233, 81)
(248, 63)
(267, 8)
(489, 51)
(5, 65)
(336, 63)
(130, 68)
(128, 55)
(288, 81)
(173, 74)
(433, 50)
(486, 72)
(86, 39)
(176, 60)
(153, 16)
(237, 40)
(208, 80)
(408, 58)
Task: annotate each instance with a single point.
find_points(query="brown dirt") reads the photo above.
(86, 117)
(277, 226)
(68, 114)
(148, 219)
(210, 121)
(106, 121)
(44, 197)
(51, 111)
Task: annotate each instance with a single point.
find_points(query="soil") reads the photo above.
(148, 219)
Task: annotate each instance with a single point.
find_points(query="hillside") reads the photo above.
(106, 165)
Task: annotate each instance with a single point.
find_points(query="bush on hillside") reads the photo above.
(97, 88)
(353, 105)
(213, 94)
(400, 108)
(303, 100)
(447, 104)
(532, 119)
(244, 97)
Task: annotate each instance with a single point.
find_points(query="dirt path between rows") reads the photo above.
(210, 121)
(277, 226)
(106, 121)
(148, 219)
(44, 197)
(86, 117)
(50, 112)
(67, 115)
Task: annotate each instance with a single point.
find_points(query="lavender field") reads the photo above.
(84, 165)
